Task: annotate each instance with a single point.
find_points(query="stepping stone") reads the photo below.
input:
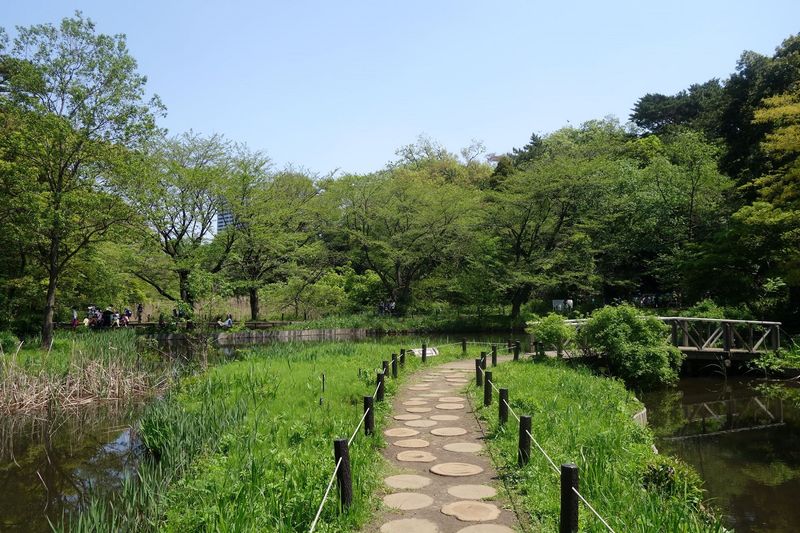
(420, 424)
(449, 406)
(451, 399)
(440, 391)
(456, 469)
(448, 432)
(420, 409)
(407, 481)
(486, 528)
(444, 418)
(463, 447)
(407, 417)
(472, 492)
(401, 432)
(417, 525)
(407, 501)
(419, 387)
(415, 403)
(415, 456)
(412, 443)
(456, 380)
(429, 395)
(468, 511)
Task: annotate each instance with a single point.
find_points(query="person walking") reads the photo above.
(139, 311)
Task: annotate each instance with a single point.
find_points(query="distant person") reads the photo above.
(74, 318)
(139, 311)
(568, 304)
(228, 323)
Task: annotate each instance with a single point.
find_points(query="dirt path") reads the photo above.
(443, 481)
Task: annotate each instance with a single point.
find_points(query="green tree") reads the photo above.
(73, 100)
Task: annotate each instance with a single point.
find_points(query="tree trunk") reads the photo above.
(49, 308)
(519, 297)
(253, 303)
(183, 276)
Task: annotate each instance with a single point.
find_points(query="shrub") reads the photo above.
(8, 341)
(553, 331)
(634, 346)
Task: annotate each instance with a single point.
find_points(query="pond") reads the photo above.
(742, 439)
(52, 462)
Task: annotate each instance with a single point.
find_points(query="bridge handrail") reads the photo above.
(581, 321)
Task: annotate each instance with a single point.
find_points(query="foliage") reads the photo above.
(634, 346)
(585, 419)
(552, 330)
(8, 342)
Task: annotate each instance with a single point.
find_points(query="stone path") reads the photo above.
(444, 483)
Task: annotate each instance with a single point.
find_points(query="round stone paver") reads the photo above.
(407, 417)
(444, 418)
(407, 481)
(486, 528)
(451, 399)
(415, 456)
(463, 447)
(420, 409)
(412, 443)
(456, 469)
(449, 406)
(417, 525)
(415, 403)
(419, 387)
(421, 424)
(407, 501)
(472, 492)
(401, 432)
(471, 511)
(429, 395)
(448, 432)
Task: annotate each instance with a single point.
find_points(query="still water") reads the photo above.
(743, 439)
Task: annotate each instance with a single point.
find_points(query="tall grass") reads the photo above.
(247, 446)
(445, 322)
(585, 419)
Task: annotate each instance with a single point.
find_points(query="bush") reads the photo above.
(635, 346)
(8, 341)
(553, 331)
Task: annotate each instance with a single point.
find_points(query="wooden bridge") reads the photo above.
(712, 339)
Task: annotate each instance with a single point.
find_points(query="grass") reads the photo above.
(581, 418)
(444, 322)
(247, 445)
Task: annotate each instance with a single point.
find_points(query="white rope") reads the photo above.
(325, 498)
(349, 442)
(543, 452)
(376, 391)
(511, 410)
(592, 509)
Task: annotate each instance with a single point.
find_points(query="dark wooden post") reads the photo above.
(675, 333)
(750, 337)
(394, 366)
(726, 337)
(402, 357)
(323, 382)
(494, 355)
(509, 343)
(487, 390)
(478, 373)
(343, 478)
(379, 384)
(517, 348)
(385, 366)
(483, 360)
(776, 335)
(503, 403)
(369, 420)
(524, 447)
(424, 353)
(464, 345)
(569, 500)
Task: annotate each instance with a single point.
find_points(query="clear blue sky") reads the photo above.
(341, 84)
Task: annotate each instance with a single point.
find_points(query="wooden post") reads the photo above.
(675, 333)
(776, 337)
(385, 366)
(478, 373)
(516, 350)
(726, 337)
(464, 345)
(424, 353)
(487, 390)
(524, 447)
(750, 337)
(494, 355)
(380, 385)
(483, 360)
(323, 382)
(509, 343)
(503, 402)
(569, 500)
(369, 420)
(394, 366)
(402, 357)
(343, 478)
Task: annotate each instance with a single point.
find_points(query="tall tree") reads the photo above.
(76, 100)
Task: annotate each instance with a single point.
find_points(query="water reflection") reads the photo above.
(50, 463)
(743, 443)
